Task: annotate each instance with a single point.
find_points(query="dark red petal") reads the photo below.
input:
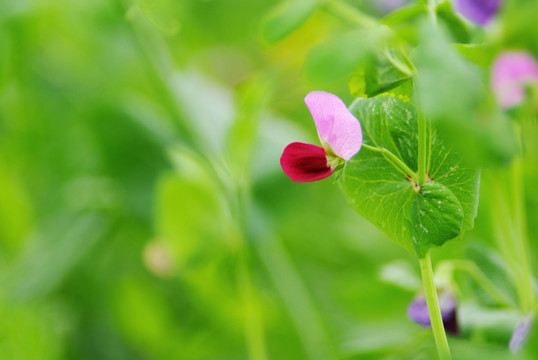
(305, 162)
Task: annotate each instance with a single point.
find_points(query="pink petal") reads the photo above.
(511, 72)
(336, 126)
(305, 162)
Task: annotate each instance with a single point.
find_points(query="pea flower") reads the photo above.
(340, 135)
(418, 311)
(512, 71)
(478, 11)
(521, 333)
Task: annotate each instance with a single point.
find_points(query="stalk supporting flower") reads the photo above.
(511, 73)
(478, 11)
(340, 135)
(434, 310)
(418, 311)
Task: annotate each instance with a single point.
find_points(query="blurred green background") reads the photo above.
(143, 211)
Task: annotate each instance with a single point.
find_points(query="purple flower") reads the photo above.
(521, 333)
(511, 72)
(418, 311)
(340, 135)
(478, 11)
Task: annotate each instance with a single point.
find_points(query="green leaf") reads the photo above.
(436, 217)
(480, 54)
(243, 133)
(383, 72)
(342, 55)
(458, 28)
(285, 18)
(190, 211)
(519, 25)
(453, 96)
(413, 217)
(404, 14)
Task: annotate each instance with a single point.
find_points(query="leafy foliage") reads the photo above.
(144, 214)
(384, 71)
(459, 108)
(415, 218)
(286, 17)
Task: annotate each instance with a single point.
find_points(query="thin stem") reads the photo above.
(430, 144)
(433, 308)
(296, 297)
(394, 160)
(159, 82)
(520, 231)
(432, 12)
(502, 220)
(422, 142)
(478, 275)
(252, 322)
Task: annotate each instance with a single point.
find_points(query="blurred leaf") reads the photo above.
(404, 89)
(400, 273)
(446, 85)
(341, 56)
(358, 84)
(490, 263)
(452, 95)
(15, 213)
(455, 24)
(443, 208)
(189, 218)
(480, 54)
(286, 17)
(404, 14)
(152, 330)
(493, 323)
(274, 134)
(160, 14)
(31, 331)
(4, 57)
(477, 347)
(194, 92)
(383, 72)
(243, 132)
(387, 340)
(55, 251)
(303, 310)
(519, 25)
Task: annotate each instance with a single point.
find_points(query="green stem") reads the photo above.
(432, 11)
(252, 322)
(433, 308)
(520, 224)
(301, 306)
(478, 275)
(502, 221)
(394, 160)
(430, 144)
(159, 81)
(422, 140)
